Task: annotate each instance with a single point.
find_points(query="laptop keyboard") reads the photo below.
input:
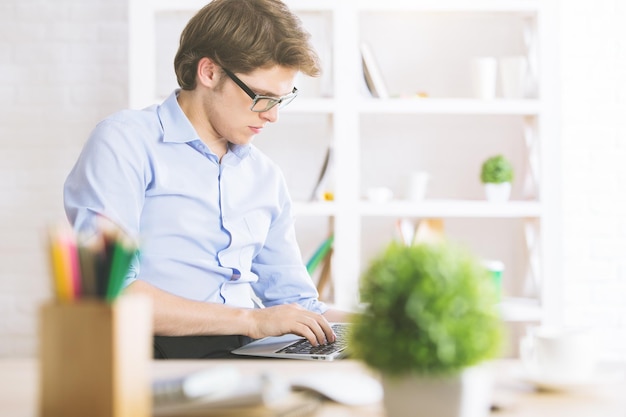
(304, 347)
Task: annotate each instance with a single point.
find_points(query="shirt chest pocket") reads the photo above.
(257, 226)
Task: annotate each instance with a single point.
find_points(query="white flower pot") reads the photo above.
(498, 192)
(465, 395)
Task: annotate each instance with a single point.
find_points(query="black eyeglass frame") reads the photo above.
(272, 101)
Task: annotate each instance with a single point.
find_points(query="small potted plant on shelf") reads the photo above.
(497, 174)
(429, 325)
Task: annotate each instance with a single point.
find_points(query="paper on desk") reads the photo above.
(227, 392)
(297, 404)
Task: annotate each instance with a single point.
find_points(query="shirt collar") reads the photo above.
(178, 129)
(176, 126)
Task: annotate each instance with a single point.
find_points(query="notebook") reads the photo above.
(296, 347)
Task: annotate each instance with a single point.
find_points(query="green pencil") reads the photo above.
(123, 254)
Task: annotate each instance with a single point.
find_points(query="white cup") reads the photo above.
(417, 185)
(484, 71)
(559, 353)
(379, 194)
(513, 76)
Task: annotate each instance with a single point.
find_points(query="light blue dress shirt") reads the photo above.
(209, 231)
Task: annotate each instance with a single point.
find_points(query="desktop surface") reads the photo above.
(19, 381)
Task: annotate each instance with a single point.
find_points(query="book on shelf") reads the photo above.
(323, 188)
(372, 74)
(320, 253)
(424, 231)
(322, 257)
(324, 289)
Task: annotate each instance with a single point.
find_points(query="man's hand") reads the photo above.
(290, 318)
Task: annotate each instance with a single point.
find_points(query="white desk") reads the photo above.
(19, 393)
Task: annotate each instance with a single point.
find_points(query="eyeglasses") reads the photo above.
(262, 103)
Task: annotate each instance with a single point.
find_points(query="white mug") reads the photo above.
(513, 76)
(417, 185)
(559, 353)
(484, 72)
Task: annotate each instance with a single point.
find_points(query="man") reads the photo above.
(213, 212)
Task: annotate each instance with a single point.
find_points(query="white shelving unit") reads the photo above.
(409, 133)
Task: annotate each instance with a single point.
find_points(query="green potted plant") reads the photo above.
(430, 321)
(497, 174)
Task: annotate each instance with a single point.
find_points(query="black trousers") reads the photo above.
(198, 347)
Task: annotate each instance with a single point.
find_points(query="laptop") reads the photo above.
(297, 347)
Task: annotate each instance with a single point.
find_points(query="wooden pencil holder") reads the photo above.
(95, 358)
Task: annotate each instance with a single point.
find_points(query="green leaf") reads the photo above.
(432, 306)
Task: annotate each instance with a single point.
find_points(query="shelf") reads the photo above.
(517, 6)
(335, 110)
(311, 105)
(377, 5)
(316, 208)
(427, 208)
(525, 107)
(452, 208)
(450, 106)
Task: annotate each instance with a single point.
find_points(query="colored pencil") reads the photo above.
(96, 267)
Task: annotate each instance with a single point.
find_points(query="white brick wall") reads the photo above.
(593, 68)
(62, 68)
